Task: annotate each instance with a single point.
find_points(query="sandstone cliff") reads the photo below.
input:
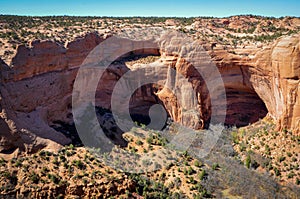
(272, 73)
(36, 90)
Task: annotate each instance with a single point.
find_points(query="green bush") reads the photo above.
(2, 162)
(202, 174)
(291, 175)
(139, 142)
(281, 158)
(149, 140)
(297, 181)
(79, 164)
(18, 163)
(197, 163)
(235, 137)
(11, 177)
(34, 177)
(44, 170)
(190, 170)
(215, 166)
(248, 161)
(55, 179)
(276, 171)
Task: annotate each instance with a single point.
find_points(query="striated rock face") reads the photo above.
(272, 75)
(36, 92)
(285, 62)
(37, 89)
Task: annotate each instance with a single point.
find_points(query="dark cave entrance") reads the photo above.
(244, 107)
(140, 109)
(143, 98)
(140, 103)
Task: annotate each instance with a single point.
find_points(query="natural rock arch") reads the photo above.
(38, 88)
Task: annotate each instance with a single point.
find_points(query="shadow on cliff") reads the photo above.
(138, 106)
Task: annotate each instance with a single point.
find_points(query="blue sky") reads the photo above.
(182, 8)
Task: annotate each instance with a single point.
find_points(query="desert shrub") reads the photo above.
(44, 170)
(34, 177)
(13, 179)
(235, 137)
(18, 163)
(176, 195)
(215, 166)
(55, 179)
(248, 161)
(192, 180)
(149, 140)
(190, 170)
(55, 161)
(202, 174)
(65, 165)
(197, 163)
(281, 158)
(254, 164)
(2, 162)
(186, 163)
(42, 153)
(79, 164)
(139, 142)
(276, 171)
(62, 158)
(291, 175)
(71, 146)
(297, 181)
(243, 146)
(267, 150)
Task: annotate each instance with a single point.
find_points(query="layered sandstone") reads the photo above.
(273, 73)
(36, 90)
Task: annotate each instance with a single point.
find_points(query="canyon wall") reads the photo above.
(36, 90)
(273, 73)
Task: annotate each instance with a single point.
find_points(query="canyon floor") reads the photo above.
(235, 168)
(257, 153)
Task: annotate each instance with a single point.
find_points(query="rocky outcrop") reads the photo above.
(36, 90)
(272, 74)
(265, 83)
(285, 63)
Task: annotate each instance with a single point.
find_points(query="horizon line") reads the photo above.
(150, 16)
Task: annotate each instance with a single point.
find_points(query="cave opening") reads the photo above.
(143, 98)
(140, 110)
(244, 107)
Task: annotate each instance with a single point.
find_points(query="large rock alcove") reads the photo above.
(36, 90)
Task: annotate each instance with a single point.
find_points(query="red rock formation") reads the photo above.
(285, 63)
(37, 89)
(268, 82)
(273, 73)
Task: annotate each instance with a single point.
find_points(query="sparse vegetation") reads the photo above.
(23, 29)
(263, 142)
(186, 177)
(243, 156)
